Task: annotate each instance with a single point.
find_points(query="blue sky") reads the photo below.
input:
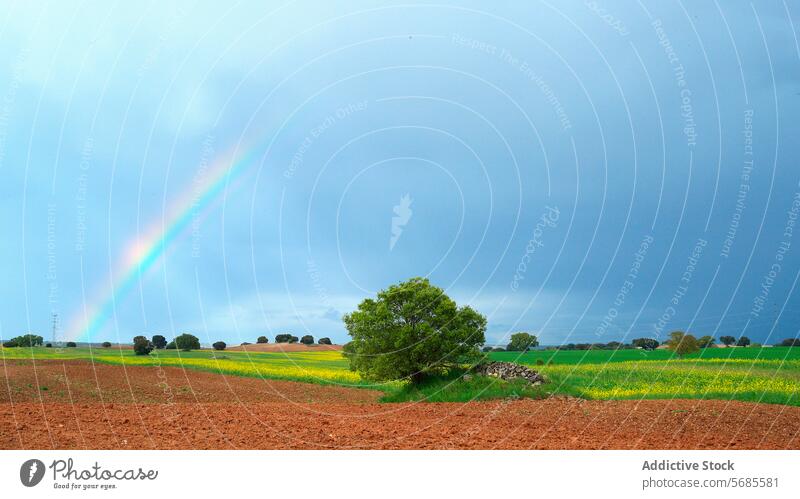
(589, 171)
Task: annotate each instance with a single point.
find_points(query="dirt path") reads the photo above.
(220, 412)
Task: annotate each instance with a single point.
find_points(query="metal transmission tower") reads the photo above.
(55, 327)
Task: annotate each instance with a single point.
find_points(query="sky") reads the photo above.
(588, 171)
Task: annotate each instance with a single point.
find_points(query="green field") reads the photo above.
(770, 375)
(604, 356)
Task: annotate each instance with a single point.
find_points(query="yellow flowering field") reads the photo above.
(748, 377)
(756, 381)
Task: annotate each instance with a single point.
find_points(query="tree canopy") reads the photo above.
(682, 344)
(521, 342)
(142, 346)
(159, 341)
(410, 330)
(187, 342)
(645, 343)
(28, 340)
(705, 341)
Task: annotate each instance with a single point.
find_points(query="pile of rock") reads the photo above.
(509, 370)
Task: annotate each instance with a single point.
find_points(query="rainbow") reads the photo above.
(211, 181)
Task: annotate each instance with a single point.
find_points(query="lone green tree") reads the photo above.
(727, 340)
(159, 341)
(743, 341)
(262, 339)
(29, 340)
(645, 343)
(521, 342)
(142, 346)
(682, 344)
(705, 341)
(411, 330)
(187, 342)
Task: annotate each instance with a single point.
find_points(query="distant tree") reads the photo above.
(307, 340)
(498, 349)
(411, 330)
(283, 338)
(262, 339)
(705, 341)
(613, 345)
(293, 339)
(486, 349)
(245, 343)
(645, 343)
(106, 344)
(48, 345)
(10, 344)
(727, 340)
(71, 344)
(219, 345)
(790, 342)
(187, 342)
(325, 341)
(142, 346)
(29, 340)
(682, 344)
(743, 341)
(159, 341)
(522, 342)
(170, 345)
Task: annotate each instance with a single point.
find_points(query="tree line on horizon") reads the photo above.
(187, 342)
(520, 342)
(143, 346)
(524, 341)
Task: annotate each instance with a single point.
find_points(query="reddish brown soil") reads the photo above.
(89, 406)
(82, 382)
